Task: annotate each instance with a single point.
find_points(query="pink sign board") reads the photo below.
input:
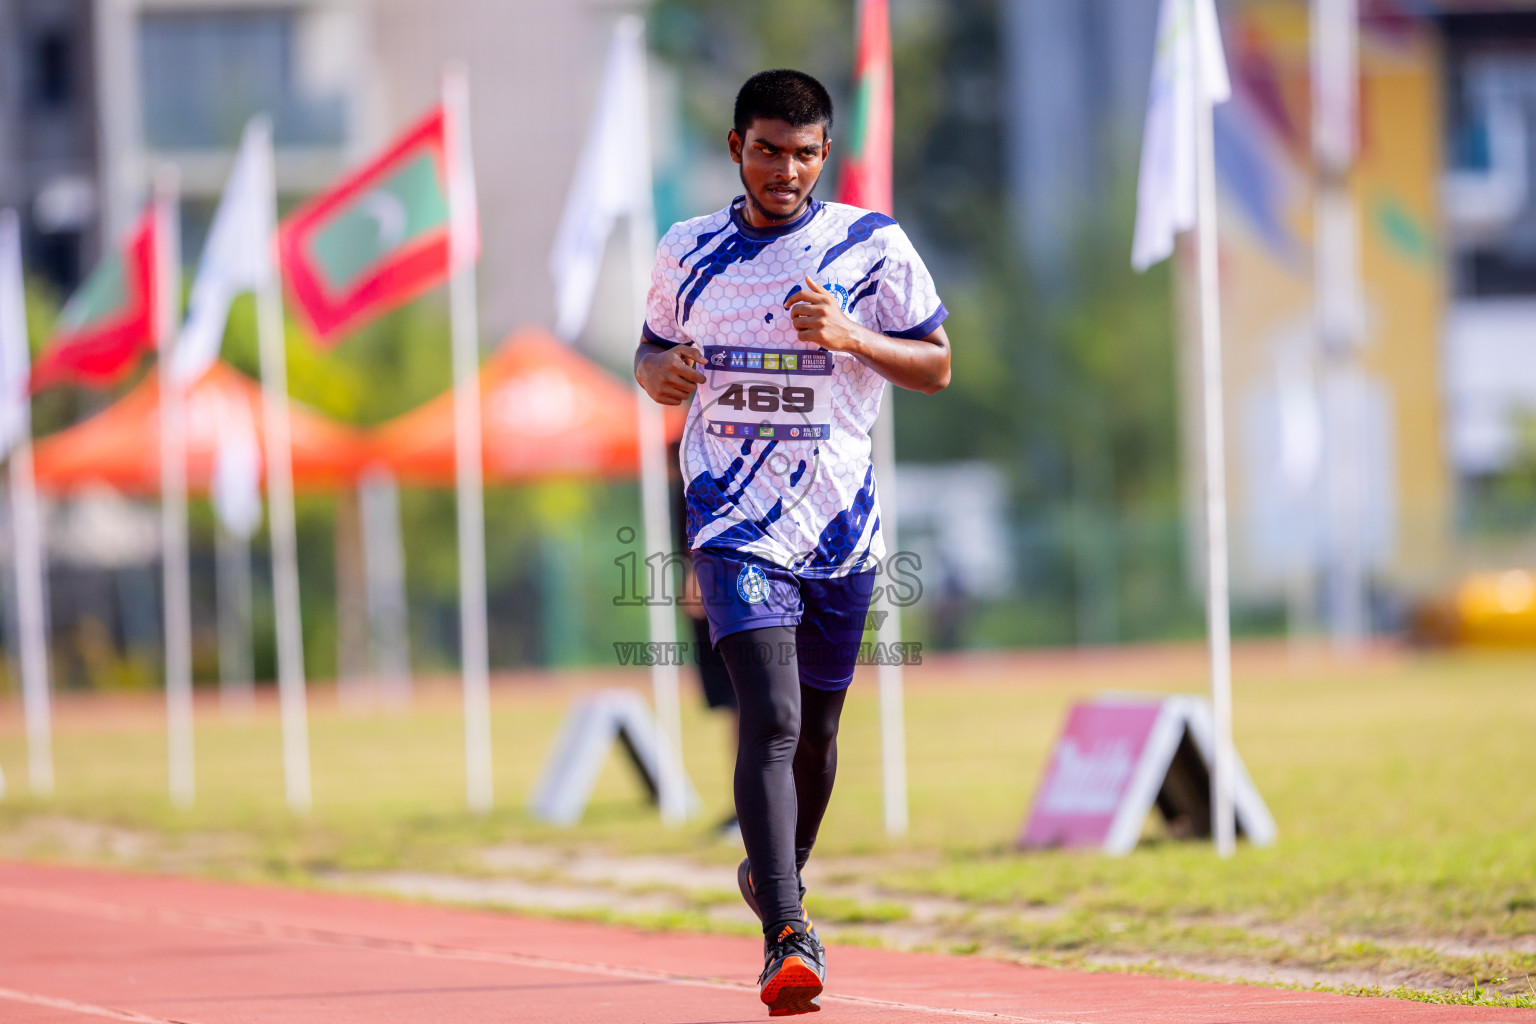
(1090, 773)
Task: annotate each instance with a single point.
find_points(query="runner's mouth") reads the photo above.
(782, 192)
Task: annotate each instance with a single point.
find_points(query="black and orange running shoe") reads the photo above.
(794, 970)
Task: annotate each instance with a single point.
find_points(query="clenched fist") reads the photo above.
(818, 318)
(669, 376)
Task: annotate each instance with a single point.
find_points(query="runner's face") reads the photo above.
(779, 167)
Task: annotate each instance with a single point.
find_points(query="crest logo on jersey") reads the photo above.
(841, 293)
(752, 584)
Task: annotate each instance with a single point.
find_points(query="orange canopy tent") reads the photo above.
(546, 412)
(120, 446)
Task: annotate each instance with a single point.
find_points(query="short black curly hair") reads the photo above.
(783, 94)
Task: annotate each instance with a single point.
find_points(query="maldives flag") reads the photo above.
(866, 174)
(111, 320)
(380, 237)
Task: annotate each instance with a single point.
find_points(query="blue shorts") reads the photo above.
(745, 592)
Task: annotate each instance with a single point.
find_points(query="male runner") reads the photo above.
(787, 316)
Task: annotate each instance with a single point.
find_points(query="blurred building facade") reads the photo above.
(1490, 238)
(1294, 412)
(1445, 376)
(95, 92)
(1440, 388)
(49, 143)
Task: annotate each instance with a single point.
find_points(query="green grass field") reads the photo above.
(1404, 788)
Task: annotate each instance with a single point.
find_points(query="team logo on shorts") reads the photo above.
(752, 584)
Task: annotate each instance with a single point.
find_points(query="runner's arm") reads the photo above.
(918, 364)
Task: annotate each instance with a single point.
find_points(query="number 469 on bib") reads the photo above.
(768, 398)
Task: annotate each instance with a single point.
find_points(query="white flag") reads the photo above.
(15, 358)
(1165, 190)
(236, 486)
(613, 178)
(237, 257)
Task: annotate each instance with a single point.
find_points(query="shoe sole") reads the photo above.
(814, 1006)
(793, 989)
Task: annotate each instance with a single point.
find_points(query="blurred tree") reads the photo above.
(1503, 505)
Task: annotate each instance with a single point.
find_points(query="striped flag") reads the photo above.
(866, 174)
(379, 238)
(111, 320)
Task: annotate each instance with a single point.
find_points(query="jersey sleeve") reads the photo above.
(661, 326)
(907, 304)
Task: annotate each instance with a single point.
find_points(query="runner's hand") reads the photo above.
(818, 318)
(669, 377)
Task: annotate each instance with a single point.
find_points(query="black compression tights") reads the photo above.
(786, 759)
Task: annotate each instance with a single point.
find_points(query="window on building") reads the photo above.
(205, 73)
(1490, 142)
(53, 85)
(55, 256)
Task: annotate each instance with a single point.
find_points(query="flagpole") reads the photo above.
(232, 570)
(661, 614)
(888, 671)
(1336, 271)
(1218, 602)
(873, 65)
(26, 526)
(463, 313)
(654, 489)
(384, 568)
(30, 613)
(278, 452)
(173, 494)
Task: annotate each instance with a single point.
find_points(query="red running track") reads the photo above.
(81, 945)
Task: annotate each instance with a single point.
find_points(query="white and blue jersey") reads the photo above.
(776, 457)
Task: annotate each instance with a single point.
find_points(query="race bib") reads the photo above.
(780, 394)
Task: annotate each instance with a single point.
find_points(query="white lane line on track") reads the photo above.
(83, 1008)
(316, 936)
